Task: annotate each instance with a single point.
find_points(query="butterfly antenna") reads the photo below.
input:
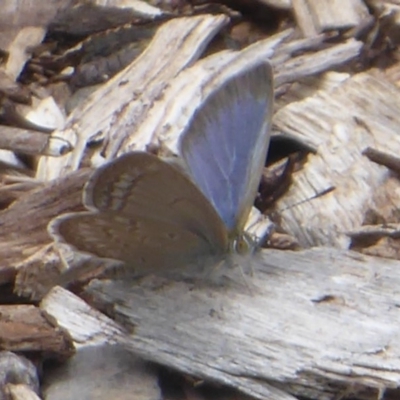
(316, 196)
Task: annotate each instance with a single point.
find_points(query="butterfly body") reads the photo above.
(155, 219)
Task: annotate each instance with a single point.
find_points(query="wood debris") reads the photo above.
(318, 323)
(25, 327)
(301, 326)
(316, 16)
(18, 377)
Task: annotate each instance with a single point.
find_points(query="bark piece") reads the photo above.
(31, 142)
(316, 16)
(45, 112)
(24, 223)
(19, 49)
(21, 392)
(151, 118)
(24, 328)
(11, 191)
(86, 325)
(279, 4)
(38, 273)
(307, 65)
(377, 240)
(12, 90)
(382, 158)
(141, 8)
(162, 126)
(87, 18)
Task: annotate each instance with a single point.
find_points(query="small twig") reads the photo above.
(382, 158)
(32, 142)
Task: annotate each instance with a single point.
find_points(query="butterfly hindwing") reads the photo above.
(145, 245)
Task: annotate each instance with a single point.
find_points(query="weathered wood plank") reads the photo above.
(316, 323)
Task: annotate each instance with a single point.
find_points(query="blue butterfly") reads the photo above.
(148, 214)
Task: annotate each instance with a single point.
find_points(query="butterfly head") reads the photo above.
(242, 244)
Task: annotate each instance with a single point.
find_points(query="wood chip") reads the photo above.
(25, 222)
(316, 16)
(21, 392)
(24, 328)
(279, 4)
(86, 325)
(341, 123)
(99, 366)
(390, 161)
(305, 65)
(31, 142)
(18, 51)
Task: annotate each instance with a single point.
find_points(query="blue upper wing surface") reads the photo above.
(226, 143)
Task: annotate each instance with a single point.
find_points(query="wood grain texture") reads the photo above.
(316, 16)
(131, 92)
(24, 223)
(24, 328)
(341, 122)
(149, 108)
(315, 323)
(86, 325)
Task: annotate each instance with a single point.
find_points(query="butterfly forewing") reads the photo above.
(145, 213)
(226, 142)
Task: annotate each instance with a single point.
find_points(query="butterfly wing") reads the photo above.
(225, 144)
(146, 213)
(145, 245)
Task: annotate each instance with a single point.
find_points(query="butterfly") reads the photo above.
(154, 218)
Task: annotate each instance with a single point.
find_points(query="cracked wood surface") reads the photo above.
(313, 323)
